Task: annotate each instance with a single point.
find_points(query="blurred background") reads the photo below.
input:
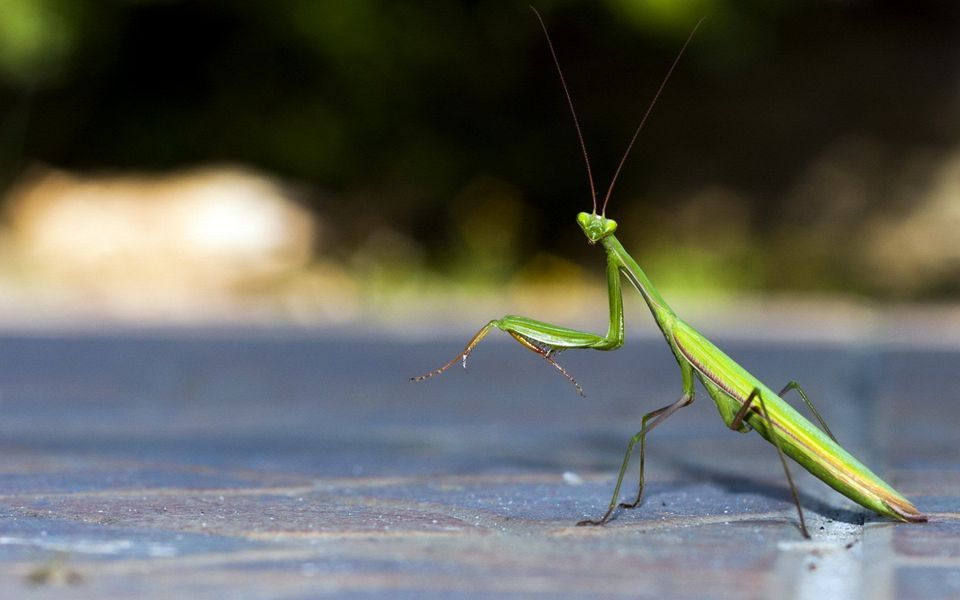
(324, 162)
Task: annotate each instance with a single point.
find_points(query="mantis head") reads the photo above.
(596, 227)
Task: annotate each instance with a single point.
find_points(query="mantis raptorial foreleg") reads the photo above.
(547, 354)
(735, 425)
(462, 357)
(793, 385)
(528, 342)
(546, 339)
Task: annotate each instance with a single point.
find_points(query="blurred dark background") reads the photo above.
(800, 146)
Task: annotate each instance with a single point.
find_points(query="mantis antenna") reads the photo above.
(663, 84)
(576, 121)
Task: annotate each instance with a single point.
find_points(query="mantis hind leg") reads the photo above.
(659, 416)
(738, 421)
(793, 385)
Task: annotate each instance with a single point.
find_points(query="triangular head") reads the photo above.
(596, 227)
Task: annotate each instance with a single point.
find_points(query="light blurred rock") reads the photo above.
(870, 217)
(145, 242)
(917, 249)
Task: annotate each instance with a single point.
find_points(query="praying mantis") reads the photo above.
(744, 402)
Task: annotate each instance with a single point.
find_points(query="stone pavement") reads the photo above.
(281, 464)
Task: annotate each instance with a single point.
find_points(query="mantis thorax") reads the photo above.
(596, 227)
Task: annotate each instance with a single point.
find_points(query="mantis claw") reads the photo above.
(587, 522)
(462, 357)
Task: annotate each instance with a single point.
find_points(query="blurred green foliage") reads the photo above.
(442, 126)
(36, 38)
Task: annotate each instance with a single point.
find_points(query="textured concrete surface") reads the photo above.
(293, 465)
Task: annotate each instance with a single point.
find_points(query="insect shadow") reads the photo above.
(738, 484)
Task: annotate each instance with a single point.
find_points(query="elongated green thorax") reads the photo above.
(599, 228)
(637, 277)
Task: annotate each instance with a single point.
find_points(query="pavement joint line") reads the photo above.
(879, 561)
(460, 514)
(125, 565)
(831, 564)
(827, 566)
(641, 526)
(928, 561)
(315, 485)
(377, 534)
(600, 583)
(466, 480)
(504, 584)
(943, 516)
(251, 475)
(161, 492)
(272, 553)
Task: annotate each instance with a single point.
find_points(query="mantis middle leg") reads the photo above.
(659, 416)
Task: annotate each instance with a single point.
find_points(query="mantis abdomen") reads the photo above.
(730, 386)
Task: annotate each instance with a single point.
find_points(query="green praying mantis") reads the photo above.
(744, 401)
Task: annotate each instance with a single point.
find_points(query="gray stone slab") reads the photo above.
(285, 465)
